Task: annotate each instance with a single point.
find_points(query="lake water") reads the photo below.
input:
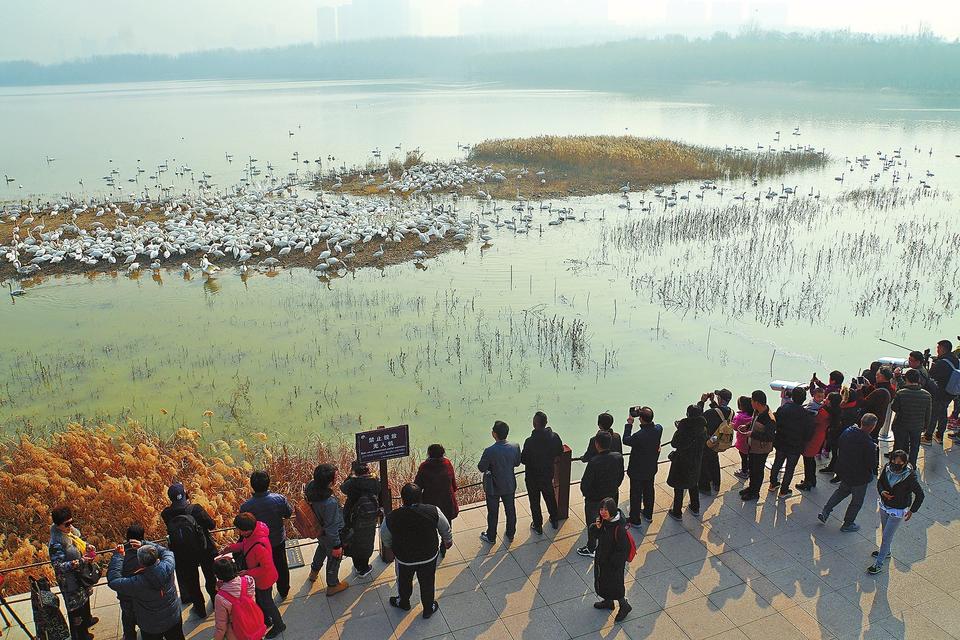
(665, 303)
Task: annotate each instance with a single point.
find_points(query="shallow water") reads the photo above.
(454, 346)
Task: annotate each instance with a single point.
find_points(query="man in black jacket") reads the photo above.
(715, 415)
(189, 526)
(644, 462)
(131, 566)
(601, 479)
(604, 423)
(940, 373)
(414, 532)
(538, 455)
(794, 427)
(856, 467)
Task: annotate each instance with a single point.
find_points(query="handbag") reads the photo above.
(89, 573)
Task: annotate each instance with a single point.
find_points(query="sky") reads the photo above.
(50, 31)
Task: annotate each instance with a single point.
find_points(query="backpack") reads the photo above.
(246, 617)
(240, 557)
(723, 437)
(306, 521)
(952, 387)
(366, 509)
(631, 544)
(186, 534)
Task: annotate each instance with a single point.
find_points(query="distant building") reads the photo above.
(327, 25)
(369, 19)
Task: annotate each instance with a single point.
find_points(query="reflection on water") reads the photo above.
(612, 309)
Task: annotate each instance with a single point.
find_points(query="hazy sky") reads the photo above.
(54, 30)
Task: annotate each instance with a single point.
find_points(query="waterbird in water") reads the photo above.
(15, 292)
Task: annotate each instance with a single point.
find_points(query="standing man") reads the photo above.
(188, 529)
(499, 483)
(856, 467)
(718, 413)
(644, 463)
(601, 479)
(538, 455)
(271, 509)
(151, 591)
(944, 366)
(912, 407)
(604, 423)
(130, 567)
(763, 429)
(412, 533)
(794, 428)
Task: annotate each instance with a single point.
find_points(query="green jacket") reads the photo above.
(912, 408)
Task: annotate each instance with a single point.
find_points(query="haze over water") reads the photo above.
(450, 348)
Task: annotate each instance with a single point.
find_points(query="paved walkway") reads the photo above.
(739, 571)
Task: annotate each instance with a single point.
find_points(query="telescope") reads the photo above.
(893, 362)
(786, 385)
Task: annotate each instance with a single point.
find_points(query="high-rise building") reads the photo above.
(326, 25)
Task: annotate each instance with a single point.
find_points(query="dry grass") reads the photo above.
(113, 476)
(588, 165)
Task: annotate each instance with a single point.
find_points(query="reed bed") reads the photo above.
(587, 165)
(112, 476)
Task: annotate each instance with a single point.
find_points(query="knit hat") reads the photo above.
(176, 492)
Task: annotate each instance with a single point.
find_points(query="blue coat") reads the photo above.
(497, 464)
(271, 509)
(644, 446)
(856, 457)
(152, 592)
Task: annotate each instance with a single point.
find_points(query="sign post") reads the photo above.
(380, 445)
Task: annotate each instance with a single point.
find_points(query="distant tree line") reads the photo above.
(835, 59)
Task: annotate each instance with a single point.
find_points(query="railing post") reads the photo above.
(561, 482)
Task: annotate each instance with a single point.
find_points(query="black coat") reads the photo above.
(538, 453)
(615, 445)
(685, 459)
(203, 520)
(940, 372)
(610, 560)
(644, 446)
(906, 493)
(794, 428)
(602, 477)
(856, 457)
(364, 530)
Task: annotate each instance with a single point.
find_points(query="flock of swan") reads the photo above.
(425, 178)
(255, 229)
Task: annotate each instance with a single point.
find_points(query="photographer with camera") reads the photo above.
(644, 462)
(943, 367)
(718, 414)
(688, 443)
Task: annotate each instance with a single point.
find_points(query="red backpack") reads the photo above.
(246, 618)
(631, 543)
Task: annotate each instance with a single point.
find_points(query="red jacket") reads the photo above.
(259, 557)
(820, 423)
(439, 483)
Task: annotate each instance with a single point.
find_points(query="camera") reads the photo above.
(635, 412)
(785, 385)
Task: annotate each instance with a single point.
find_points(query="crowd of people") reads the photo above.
(836, 421)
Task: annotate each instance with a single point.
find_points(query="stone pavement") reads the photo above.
(739, 571)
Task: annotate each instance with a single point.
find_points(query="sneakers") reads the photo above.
(874, 569)
(363, 574)
(674, 515)
(774, 484)
(803, 486)
(743, 475)
(313, 575)
(396, 602)
(624, 611)
(938, 438)
(850, 528)
(749, 496)
(429, 611)
(337, 588)
(486, 538)
(537, 529)
(834, 479)
(926, 440)
(695, 512)
(604, 604)
(276, 630)
(822, 518)
(648, 518)
(785, 494)
(585, 552)
(555, 524)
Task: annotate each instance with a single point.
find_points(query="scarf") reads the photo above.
(893, 477)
